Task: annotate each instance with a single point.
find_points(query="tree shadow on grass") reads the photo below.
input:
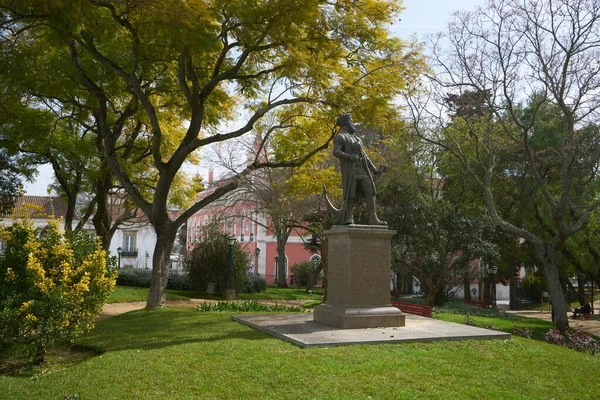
(58, 358)
(155, 329)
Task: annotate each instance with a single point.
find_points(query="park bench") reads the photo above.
(416, 309)
(587, 315)
(476, 303)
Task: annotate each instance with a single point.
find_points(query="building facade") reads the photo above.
(239, 216)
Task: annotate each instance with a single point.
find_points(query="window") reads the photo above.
(129, 244)
(1, 247)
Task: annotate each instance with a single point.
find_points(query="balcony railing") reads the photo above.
(129, 253)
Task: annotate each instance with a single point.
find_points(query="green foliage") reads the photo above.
(51, 288)
(436, 240)
(256, 284)
(9, 182)
(460, 307)
(307, 273)
(140, 277)
(207, 262)
(245, 306)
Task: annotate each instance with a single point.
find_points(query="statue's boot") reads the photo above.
(348, 212)
(373, 220)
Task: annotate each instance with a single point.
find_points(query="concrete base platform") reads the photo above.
(358, 317)
(303, 331)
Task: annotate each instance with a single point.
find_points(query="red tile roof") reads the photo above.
(38, 207)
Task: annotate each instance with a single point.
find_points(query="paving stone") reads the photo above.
(301, 330)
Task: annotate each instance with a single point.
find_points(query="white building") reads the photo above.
(135, 238)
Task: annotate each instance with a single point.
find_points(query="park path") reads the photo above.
(591, 325)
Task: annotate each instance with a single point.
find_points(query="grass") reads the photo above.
(539, 327)
(183, 354)
(123, 294)
(277, 293)
(127, 294)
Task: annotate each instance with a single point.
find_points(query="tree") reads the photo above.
(9, 182)
(185, 68)
(207, 262)
(436, 241)
(526, 57)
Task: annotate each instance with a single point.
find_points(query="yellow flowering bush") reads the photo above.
(51, 287)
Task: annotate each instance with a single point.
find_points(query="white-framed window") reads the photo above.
(129, 241)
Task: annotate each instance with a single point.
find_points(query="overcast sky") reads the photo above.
(421, 17)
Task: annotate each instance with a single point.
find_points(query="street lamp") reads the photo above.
(230, 291)
(256, 253)
(493, 270)
(147, 258)
(276, 269)
(119, 251)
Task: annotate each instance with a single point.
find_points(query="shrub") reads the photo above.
(307, 273)
(178, 281)
(245, 306)
(51, 287)
(523, 332)
(134, 277)
(141, 277)
(207, 263)
(460, 307)
(256, 284)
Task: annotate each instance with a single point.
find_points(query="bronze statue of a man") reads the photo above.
(357, 169)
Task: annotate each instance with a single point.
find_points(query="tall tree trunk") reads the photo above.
(281, 278)
(467, 287)
(282, 237)
(581, 289)
(70, 213)
(555, 290)
(514, 289)
(430, 297)
(165, 238)
(486, 293)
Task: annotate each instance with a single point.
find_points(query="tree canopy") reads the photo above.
(532, 65)
(200, 72)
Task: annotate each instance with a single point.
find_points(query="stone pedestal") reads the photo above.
(230, 294)
(358, 279)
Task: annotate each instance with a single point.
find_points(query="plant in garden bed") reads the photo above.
(460, 307)
(523, 332)
(51, 288)
(470, 322)
(573, 338)
(246, 306)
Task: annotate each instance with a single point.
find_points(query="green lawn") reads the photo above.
(539, 327)
(123, 294)
(183, 354)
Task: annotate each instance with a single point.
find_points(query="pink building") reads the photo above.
(239, 216)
